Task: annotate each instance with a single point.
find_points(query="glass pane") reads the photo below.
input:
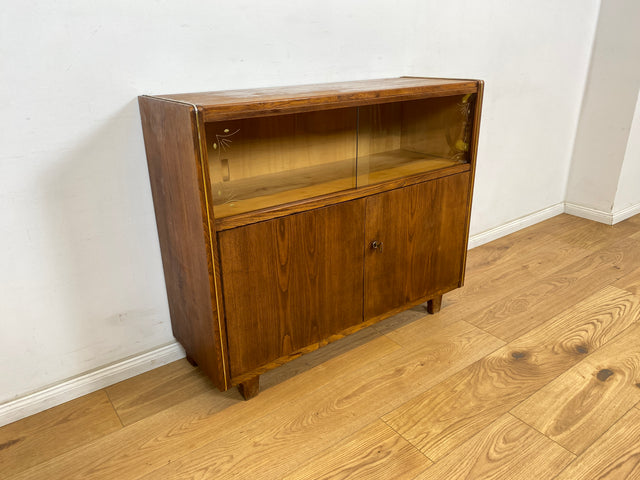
(260, 162)
(406, 138)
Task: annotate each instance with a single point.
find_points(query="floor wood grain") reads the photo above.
(614, 456)
(531, 370)
(153, 442)
(370, 453)
(532, 305)
(630, 282)
(154, 391)
(581, 404)
(466, 402)
(46, 435)
(507, 448)
(295, 431)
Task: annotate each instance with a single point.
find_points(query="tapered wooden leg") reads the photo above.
(433, 305)
(250, 388)
(191, 361)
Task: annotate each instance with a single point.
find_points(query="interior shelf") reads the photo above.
(263, 191)
(380, 167)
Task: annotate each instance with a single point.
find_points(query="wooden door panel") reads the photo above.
(422, 229)
(291, 282)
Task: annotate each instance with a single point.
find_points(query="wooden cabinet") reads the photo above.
(290, 217)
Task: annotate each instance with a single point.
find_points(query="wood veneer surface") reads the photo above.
(276, 100)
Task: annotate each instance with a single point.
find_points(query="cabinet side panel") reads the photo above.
(291, 282)
(475, 135)
(177, 185)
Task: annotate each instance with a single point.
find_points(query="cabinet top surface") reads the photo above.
(325, 95)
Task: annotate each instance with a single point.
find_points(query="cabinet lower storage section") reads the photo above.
(277, 244)
(295, 281)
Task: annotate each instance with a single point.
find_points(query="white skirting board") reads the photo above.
(88, 382)
(610, 218)
(116, 372)
(629, 212)
(549, 212)
(589, 213)
(515, 225)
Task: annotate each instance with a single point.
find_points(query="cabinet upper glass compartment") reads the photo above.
(406, 138)
(261, 162)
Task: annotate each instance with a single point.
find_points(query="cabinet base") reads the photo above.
(250, 388)
(433, 305)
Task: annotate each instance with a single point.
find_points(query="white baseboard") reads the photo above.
(609, 218)
(515, 225)
(549, 212)
(626, 213)
(89, 382)
(588, 213)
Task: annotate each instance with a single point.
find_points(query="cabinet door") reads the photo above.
(291, 282)
(420, 233)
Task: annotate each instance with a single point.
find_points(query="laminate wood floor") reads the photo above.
(530, 371)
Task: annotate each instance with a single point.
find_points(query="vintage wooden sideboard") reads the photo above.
(290, 217)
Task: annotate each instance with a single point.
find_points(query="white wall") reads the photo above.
(534, 57)
(608, 108)
(627, 198)
(80, 270)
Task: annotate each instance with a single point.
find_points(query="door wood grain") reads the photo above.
(291, 282)
(419, 243)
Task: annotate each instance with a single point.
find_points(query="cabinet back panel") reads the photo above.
(291, 282)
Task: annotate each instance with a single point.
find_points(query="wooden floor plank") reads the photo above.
(506, 449)
(533, 247)
(581, 404)
(443, 417)
(484, 286)
(519, 284)
(152, 442)
(163, 387)
(314, 422)
(483, 290)
(634, 220)
(614, 456)
(375, 452)
(46, 435)
(516, 246)
(144, 395)
(412, 334)
(535, 303)
(630, 282)
(594, 233)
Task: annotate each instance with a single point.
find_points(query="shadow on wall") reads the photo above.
(103, 254)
